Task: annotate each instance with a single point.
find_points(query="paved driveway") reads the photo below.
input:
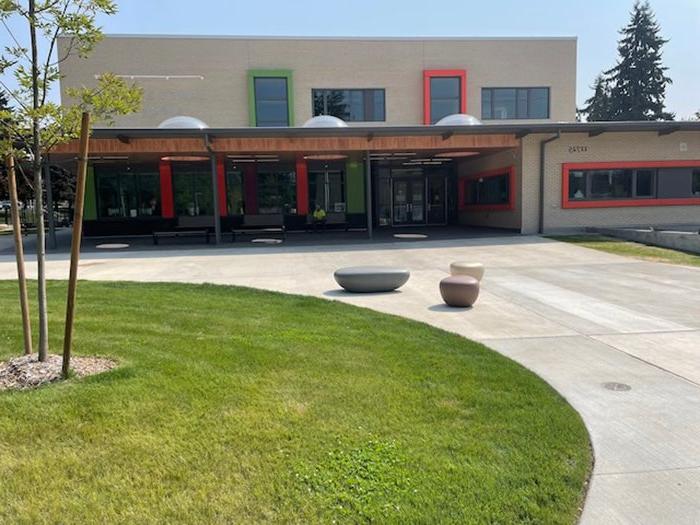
(579, 318)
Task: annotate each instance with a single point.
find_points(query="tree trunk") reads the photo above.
(39, 195)
(19, 255)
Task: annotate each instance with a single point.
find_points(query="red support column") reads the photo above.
(250, 187)
(221, 182)
(167, 206)
(302, 186)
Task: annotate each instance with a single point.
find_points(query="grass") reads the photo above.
(631, 249)
(238, 406)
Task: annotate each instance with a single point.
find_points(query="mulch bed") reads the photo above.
(21, 373)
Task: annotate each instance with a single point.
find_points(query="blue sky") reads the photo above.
(594, 22)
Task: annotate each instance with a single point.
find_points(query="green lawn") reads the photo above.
(240, 406)
(631, 249)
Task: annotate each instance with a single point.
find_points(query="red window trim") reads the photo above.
(566, 203)
(462, 190)
(430, 73)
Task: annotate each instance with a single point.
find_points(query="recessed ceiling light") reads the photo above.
(326, 156)
(455, 154)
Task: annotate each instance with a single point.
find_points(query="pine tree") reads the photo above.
(599, 106)
(639, 79)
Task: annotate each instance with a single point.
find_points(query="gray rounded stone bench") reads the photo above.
(368, 279)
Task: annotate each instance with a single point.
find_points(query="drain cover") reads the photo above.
(617, 387)
(112, 246)
(410, 236)
(267, 241)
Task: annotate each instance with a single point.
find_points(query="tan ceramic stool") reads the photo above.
(459, 290)
(472, 269)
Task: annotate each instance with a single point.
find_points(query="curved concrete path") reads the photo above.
(579, 318)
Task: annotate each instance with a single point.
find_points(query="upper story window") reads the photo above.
(445, 98)
(444, 93)
(271, 104)
(270, 97)
(514, 103)
(127, 190)
(351, 105)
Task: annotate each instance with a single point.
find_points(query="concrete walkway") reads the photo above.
(579, 318)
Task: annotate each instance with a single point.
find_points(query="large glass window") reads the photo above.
(277, 191)
(489, 190)
(234, 191)
(696, 183)
(271, 104)
(327, 190)
(353, 105)
(192, 189)
(127, 191)
(612, 184)
(514, 103)
(445, 97)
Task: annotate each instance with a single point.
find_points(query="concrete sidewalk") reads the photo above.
(618, 337)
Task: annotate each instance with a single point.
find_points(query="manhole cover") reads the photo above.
(410, 236)
(112, 246)
(267, 241)
(617, 387)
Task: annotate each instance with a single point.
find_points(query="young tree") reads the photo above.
(639, 78)
(37, 122)
(599, 106)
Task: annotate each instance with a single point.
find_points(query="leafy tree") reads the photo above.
(38, 123)
(599, 106)
(635, 89)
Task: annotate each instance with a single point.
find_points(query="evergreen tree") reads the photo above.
(639, 79)
(599, 106)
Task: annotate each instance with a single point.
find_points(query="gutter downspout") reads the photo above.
(215, 190)
(543, 144)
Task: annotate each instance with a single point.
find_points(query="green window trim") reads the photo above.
(269, 73)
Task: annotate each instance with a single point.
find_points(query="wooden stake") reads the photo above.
(75, 241)
(19, 254)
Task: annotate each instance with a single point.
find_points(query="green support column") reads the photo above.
(355, 184)
(90, 210)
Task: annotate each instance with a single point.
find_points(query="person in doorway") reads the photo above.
(318, 218)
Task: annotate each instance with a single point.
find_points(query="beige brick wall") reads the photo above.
(603, 148)
(221, 97)
(510, 219)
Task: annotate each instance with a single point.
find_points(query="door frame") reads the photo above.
(425, 215)
(444, 179)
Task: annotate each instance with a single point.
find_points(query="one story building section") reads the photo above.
(540, 177)
(404, 150)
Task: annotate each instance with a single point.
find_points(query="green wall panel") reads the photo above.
(355, 177)
(90, 210)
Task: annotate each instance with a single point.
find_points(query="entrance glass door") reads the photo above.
(409, 201)
(436, 199)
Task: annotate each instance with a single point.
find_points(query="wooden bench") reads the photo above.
(181, 233)
(333, 218)
(255, 224)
